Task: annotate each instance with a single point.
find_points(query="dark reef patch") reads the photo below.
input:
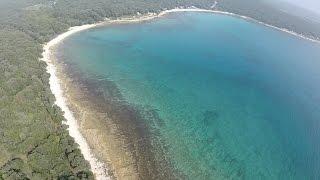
(137, 125)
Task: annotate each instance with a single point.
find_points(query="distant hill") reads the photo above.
(34, 144)
(293, 9)
(273, 14)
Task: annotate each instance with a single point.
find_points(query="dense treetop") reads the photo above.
(33, 142)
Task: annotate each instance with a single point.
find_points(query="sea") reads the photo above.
(234, 99)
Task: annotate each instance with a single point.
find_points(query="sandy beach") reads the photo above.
(100, 167)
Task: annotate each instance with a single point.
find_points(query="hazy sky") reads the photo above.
(313, 5)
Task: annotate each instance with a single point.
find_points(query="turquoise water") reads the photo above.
(237, 99)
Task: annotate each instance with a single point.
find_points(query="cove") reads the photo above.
(232, 99)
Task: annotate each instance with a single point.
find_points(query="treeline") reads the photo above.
(271, 14)
(33, 142)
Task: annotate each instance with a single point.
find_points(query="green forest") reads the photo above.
(34, 144)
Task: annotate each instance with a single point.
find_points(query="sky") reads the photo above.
(313, 5)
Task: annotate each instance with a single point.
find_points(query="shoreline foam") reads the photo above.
(99, 168)
(194, 9)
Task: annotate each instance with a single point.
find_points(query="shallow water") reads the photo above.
(236, 99)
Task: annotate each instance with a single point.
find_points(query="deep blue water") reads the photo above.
(238, 99)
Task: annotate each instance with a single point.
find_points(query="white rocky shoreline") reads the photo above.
(99, 168)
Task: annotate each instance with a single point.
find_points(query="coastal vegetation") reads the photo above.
(268, 13)
(34, 143)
